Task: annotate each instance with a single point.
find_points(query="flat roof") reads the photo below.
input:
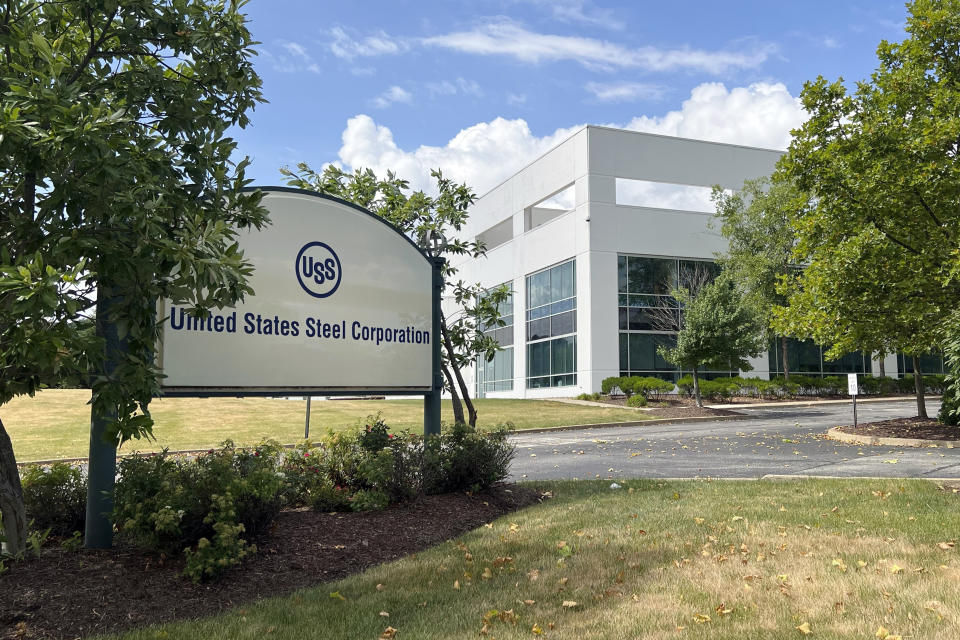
(618, 130)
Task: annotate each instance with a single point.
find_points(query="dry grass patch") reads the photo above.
(824, 559)
(56, 423)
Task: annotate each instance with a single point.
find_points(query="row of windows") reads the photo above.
(807, 358)
(551, 326)
(497, 374)
(646, 313)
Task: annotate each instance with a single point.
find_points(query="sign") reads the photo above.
(343, 303)
(852, 387)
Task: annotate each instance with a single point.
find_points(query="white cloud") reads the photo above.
(516, 99)
(482, 155)
(760, 115)
(348, 48)
(449, 88)
(485, 154)
(624, 91)
(581, 12)
(292, 58)
(504, 37)
(392, 95)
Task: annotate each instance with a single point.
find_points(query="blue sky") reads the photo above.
(479, 88)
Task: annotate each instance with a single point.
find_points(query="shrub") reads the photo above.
(375, 435)
(224, 495)
(949, 407)
(55, 498)
(637, 401)
(303, 472)
(650, 387)
(607, 385)
(462, 459)
(589, 396)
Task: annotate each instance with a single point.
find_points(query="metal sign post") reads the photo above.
(102, 462)
(306, 426)
(853, 389)
(431, 400)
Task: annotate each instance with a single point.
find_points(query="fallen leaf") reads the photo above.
(384, 614)
(537, 630)
(804, 629)
(892, 461)
(337, 596)
(569, 604)
(946, 546)
(456, 585)
(701, 618)
(388, 633)
(380, 587)
(896, 568)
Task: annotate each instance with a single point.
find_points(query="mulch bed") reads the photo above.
(675, 408)
(70, 595)
(923, 428)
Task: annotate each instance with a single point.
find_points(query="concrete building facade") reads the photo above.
(590, 237)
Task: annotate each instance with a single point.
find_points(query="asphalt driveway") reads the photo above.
(769, 441)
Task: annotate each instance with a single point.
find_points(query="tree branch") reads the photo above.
(933, 216)
(94, 45)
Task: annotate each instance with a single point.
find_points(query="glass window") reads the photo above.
(651, 275)
(497, 374)
(552, 326)
(929, 363)
(807, 358)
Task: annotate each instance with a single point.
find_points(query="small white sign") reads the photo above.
(852, 387)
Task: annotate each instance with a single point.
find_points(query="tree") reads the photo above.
(720, 330)
(427, 219)
(882, 168)
(756, 223)
(116, 189)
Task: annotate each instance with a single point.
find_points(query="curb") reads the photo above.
(834, 433)
(637, 423)
(810, 403)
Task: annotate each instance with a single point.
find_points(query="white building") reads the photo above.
(588, 236)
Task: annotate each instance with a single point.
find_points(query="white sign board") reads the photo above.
(342, 303)
(852, 387)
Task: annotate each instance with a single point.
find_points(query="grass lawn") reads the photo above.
(56, 423)
(703, 560)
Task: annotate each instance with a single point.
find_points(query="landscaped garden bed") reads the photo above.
(196, 534)
(69, 594)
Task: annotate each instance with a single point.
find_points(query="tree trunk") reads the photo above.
(783, 354)
(455, 398)
(696, 388)
(11, 499)
(918, 385)
(883, 369)
(451, 360)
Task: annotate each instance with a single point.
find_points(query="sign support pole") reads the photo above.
(853, 389)
(431, 400)
(102, 469)
(306, 424)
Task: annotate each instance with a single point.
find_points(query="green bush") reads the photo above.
(223, 496)
(589, 396)
(375, 435)
(607, 385)
(650, 388)
(463, 459)
(950, 407)
(878, 385)
(55, 498)
(637, 401)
